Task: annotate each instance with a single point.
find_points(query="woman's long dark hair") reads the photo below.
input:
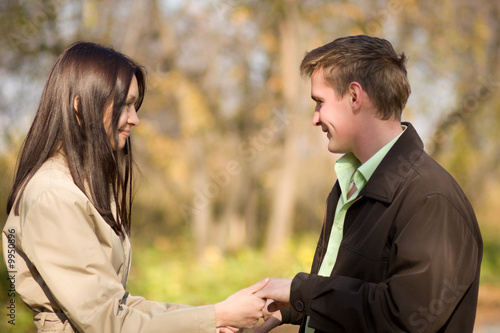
(95, 76)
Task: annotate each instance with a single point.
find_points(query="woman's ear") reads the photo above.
(76, 103)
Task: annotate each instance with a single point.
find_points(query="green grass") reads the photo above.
(175, 274)
(169, 271)
(490, 268)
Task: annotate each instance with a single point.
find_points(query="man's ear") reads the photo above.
(355, 92)
(76, 104)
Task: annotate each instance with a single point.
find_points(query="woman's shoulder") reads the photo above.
(53, 176)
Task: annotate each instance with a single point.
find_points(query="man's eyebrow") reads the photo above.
(131, 98)
(315, 98)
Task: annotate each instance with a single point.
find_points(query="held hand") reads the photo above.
(266, 314)
(227, 329)
(272, 319)
(242, 309)
(277, 290)
(270, 323)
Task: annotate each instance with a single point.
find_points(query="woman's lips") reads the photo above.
(125, 133)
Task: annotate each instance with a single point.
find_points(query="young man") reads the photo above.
(400, 249)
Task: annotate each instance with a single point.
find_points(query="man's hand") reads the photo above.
(279, 291)
(271, 323)
(272, 319)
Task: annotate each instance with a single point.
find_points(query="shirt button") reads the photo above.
(299, 306)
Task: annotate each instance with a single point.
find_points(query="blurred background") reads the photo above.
(233, 176)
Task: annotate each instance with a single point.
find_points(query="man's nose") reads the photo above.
(316, 121)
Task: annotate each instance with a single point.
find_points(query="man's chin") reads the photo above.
(335, 150)
(338, 152)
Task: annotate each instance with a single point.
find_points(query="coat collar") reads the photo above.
(394, 168)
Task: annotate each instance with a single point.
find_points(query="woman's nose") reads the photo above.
(133, 118)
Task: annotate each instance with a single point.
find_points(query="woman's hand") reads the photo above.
(242, 309)
(227, 329)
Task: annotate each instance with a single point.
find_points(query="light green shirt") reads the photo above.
(348, 169)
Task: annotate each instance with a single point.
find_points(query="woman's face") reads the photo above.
(128, 117)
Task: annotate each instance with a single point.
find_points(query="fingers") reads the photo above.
(242, 309)
(271, 321)
(268, 325)
(257, 286)
(227, 329)
(254, 310)
(266, 290)
(265, 311)
(276, 289)
(275, 306)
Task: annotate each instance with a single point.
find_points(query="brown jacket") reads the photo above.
(410, 256)
(71, 268)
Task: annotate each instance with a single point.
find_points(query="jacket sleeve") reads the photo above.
(433, 262)
(58, 237)
(291, 316)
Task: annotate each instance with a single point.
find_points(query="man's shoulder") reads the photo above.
(431, 180)
(430, 175)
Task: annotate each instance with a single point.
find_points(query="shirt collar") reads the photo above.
(345, 168)
(368, 168)
(348, 168)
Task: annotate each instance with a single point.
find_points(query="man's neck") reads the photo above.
(375, 134)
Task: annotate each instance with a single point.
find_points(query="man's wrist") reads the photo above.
(301, 292)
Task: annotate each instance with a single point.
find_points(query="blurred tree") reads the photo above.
(461, 41)
(225, 146)
(227, 154)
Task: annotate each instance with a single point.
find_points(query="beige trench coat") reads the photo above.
(71, 268)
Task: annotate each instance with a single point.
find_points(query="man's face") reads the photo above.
(333, 114)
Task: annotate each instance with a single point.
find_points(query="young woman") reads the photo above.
(69, 209)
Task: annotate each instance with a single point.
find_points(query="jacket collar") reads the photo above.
(394, 168)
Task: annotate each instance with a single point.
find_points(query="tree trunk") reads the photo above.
(280, 224)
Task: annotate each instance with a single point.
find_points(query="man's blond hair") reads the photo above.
(370, 61)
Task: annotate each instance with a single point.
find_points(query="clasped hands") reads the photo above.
(244, 308)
